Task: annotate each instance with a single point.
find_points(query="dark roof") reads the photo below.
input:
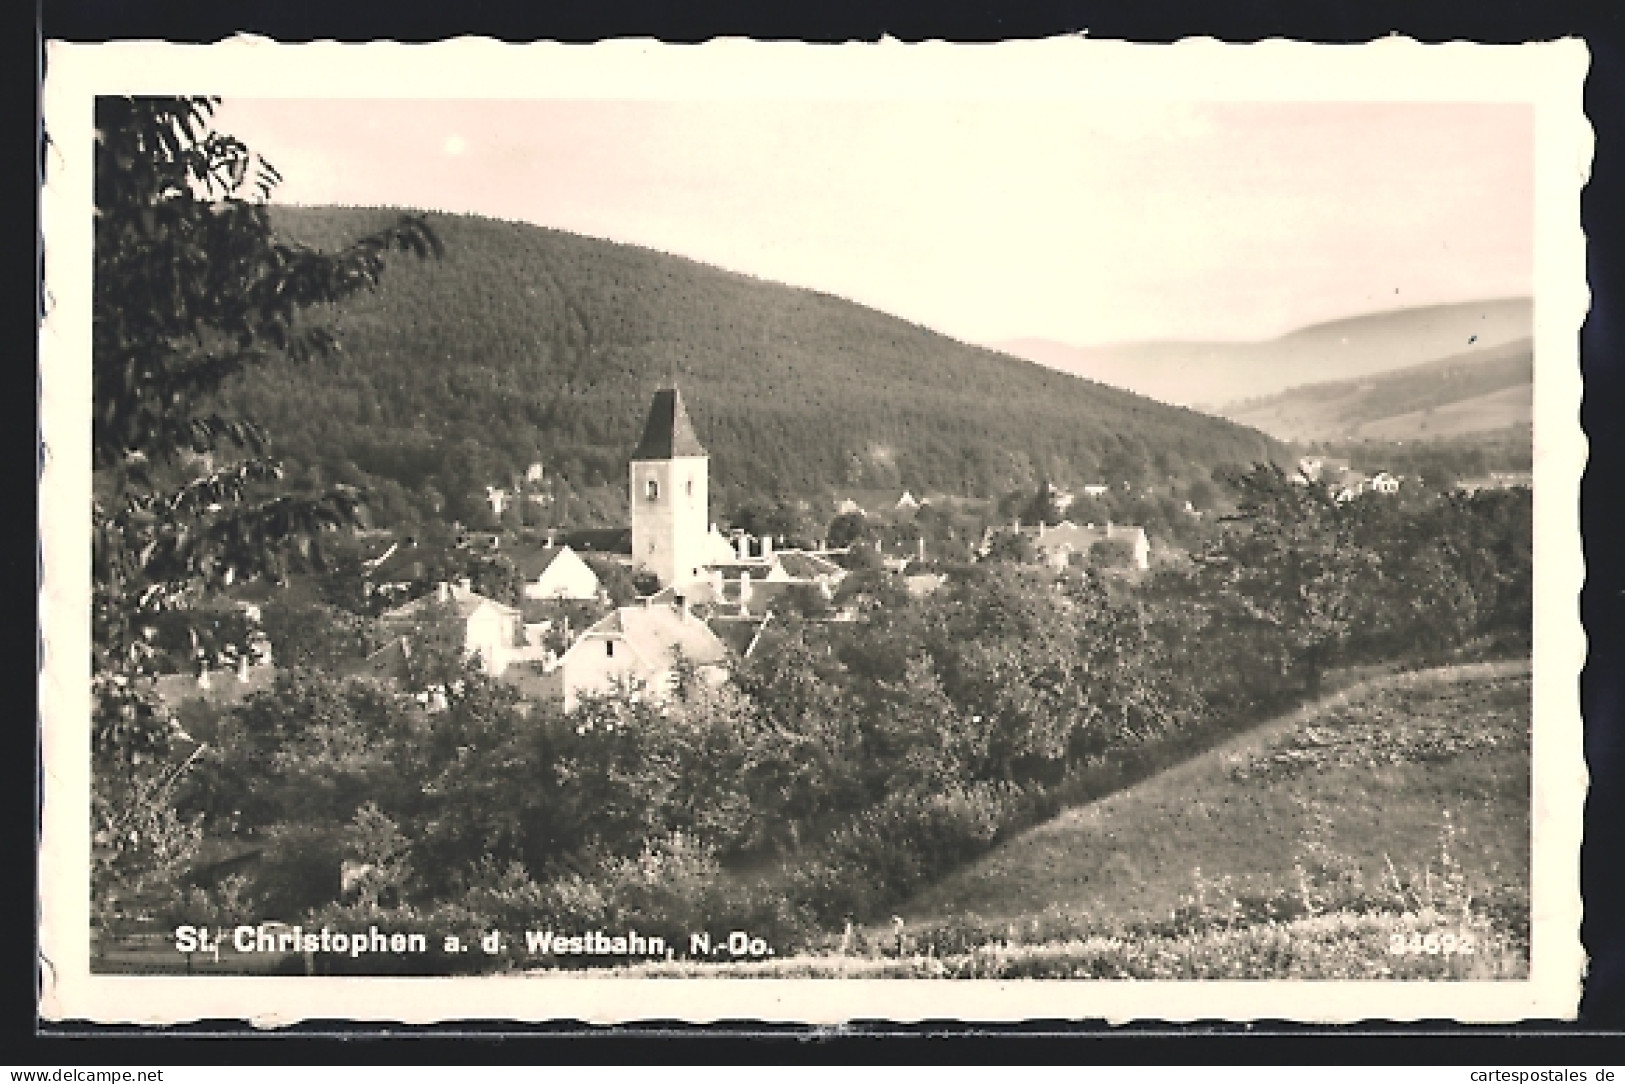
(598, 540)
(531, 562)
(399, 563)
(668, 432)
(808, 566)
(387, 662)
(736, 632)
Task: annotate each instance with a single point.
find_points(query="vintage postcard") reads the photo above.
(1055, 530)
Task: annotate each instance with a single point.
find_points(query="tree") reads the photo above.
(192, 288)
(846, 529)
(1111, 553)
(1289, 562)
(1045, 506)
(1011, 547)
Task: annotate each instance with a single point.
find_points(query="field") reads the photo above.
(1400, 806)
(1373, 771)
(1495, 410)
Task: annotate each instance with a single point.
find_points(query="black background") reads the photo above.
(1590, 1042)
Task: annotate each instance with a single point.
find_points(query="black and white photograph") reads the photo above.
(1057, 528)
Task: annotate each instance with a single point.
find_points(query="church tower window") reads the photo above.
(651, 489)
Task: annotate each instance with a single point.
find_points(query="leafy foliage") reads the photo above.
(192, 289)
(1290, 566)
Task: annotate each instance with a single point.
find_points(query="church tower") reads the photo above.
(670, 503)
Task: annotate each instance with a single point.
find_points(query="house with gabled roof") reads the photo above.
(489, 629)
(638, 647)
(556, 572)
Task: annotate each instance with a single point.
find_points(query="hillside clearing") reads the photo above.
(1376, 771)
(1494, 410)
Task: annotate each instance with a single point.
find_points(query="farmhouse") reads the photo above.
(639, 647)
(1067, 543)
(1497, 480)
(486, 627)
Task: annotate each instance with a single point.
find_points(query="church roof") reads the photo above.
(668, 432)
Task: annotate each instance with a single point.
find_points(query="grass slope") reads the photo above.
(1394, 813)
(1480, 414)
(1374, 771)
(526, 343)
(1486, 389)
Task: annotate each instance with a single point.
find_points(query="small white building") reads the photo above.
(490, 630)
(1067, 543)
(557, 572)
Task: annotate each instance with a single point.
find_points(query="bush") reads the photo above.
(884, 853)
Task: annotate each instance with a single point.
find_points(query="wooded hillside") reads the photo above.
(525, 344)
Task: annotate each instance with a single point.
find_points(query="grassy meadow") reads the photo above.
(1374, 771)
(1300, 849)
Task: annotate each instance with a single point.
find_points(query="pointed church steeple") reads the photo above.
(669, 476)
(669, 432)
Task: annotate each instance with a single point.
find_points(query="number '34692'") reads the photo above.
(1417, 943)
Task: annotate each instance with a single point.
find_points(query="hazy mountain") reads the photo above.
(1207, 374)
(1474, 391)
(527, 344)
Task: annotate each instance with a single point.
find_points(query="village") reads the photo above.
(600, 611)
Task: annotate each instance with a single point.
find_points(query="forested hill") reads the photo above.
(526, 344)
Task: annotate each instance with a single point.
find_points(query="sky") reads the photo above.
(1079, 221)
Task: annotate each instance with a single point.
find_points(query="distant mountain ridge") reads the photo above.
(534, 345)
(1205, 375)
(1474, 391)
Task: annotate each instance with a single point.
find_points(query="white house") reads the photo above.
(557, 572)
(638, 647)
(1313, 467)
(490, 630)
(1068, 543)
(1383, 482)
